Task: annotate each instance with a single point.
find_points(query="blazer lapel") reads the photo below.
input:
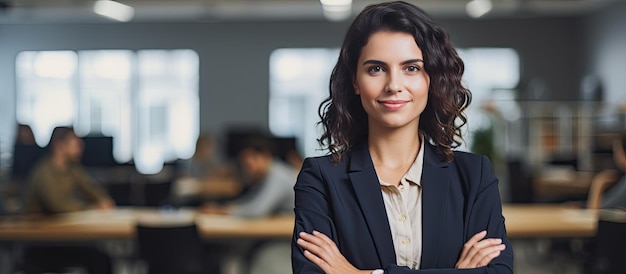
(367, 189)
(435, 183)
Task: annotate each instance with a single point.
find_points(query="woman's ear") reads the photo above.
(356, 87)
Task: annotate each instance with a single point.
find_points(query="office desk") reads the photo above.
(522, 221)
(549, 221)
(558, 184)
(120, 224)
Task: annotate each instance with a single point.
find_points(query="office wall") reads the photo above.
(549, 50)
(234, 55)
(606, 48)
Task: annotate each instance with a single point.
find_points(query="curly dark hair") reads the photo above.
(343, 118)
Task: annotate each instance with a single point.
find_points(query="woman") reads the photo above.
(392, 196)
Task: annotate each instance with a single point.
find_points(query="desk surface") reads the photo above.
(548, 221)
(523, 221)
(120, 224)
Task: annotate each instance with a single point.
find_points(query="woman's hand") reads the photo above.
(323, 252)
(478, 251)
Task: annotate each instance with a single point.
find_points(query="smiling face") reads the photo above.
(391, 81)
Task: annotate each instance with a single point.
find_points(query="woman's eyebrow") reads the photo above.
(373, 62)
(378, 62)
(411, 61)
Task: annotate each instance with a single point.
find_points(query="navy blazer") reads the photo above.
(344, 201)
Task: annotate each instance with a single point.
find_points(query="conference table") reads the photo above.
(522, 221)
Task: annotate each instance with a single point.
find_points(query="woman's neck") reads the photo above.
(394, 148)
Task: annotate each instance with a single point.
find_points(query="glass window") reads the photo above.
(47, 95)
(298, 84)
(105, 97)
(490, 74)
(167, 106)
(146, 100)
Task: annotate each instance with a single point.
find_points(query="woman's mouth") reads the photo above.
(393, 104)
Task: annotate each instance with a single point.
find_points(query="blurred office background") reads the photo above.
(547, 77)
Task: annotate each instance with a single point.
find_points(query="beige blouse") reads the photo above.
(403, 204)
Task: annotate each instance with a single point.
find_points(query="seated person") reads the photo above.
(204, 177)
(58, 184)
(614, 181)
(270, 183)
(269, 191)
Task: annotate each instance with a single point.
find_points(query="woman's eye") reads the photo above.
(413, 68)
(375, 69)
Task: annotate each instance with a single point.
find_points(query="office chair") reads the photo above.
(172, 249)
(610, 243)
(156, 188)
(64, 259)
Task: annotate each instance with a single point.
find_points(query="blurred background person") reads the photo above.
(608, 187)
(294, 158)
(59, 184)
(204, 177)
(24, 135)
(268, 190)
(268, 182)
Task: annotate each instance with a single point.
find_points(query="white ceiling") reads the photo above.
(64, 11)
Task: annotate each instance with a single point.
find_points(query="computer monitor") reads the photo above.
(284, 145)
(98, 151)
(236, 138)
(25, 157)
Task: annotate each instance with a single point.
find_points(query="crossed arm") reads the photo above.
(323, 252)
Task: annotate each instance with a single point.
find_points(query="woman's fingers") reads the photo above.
(481, 246)
(316, 260)
(312, 247)
(468, 245)
(485, 255)
(328, 243)
(478, 251)
(490, 256)
(323, 252)
(323, 237)
(316, 244)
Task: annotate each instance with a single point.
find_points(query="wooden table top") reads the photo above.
(522, 221)
(120, 224)
(548, 221)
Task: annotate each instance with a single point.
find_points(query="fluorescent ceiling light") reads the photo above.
(114, 10)
(337, 10)
(478, 8)
(336, 2)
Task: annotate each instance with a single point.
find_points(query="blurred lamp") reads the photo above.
(114, 10)
(337, 10)
(478, 8)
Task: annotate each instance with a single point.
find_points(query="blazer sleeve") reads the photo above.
(484, 213)
(311, 213)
